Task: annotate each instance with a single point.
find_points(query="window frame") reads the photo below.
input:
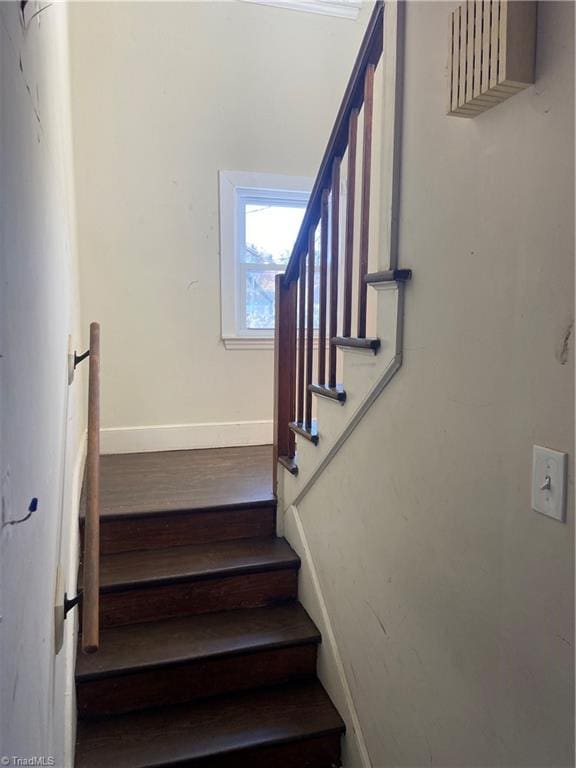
(236, 190)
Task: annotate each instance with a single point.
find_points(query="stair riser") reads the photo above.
(146, 532)
(187, 598)
(315, 752)
(199, 679)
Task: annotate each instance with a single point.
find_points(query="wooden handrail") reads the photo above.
(369, 53)
(296, 310)
(91, 559)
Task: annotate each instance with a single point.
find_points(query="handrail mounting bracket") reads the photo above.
(78, 358)
(71, 602)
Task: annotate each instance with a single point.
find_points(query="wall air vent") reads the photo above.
(492, 53)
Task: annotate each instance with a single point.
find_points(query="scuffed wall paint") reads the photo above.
(564, 347)
(40, 417)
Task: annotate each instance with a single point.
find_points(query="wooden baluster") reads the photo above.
(365, 201)
(349, 236)
(323, 288)
(293, 304)
(301, 332)
(335, 247)
(284, 370)
(310, 328)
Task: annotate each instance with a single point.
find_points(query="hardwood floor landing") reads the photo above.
(175, 480)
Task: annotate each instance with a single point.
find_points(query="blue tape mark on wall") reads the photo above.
(32, 507)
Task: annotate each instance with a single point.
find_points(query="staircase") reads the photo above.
(206, 657)
(340, 302)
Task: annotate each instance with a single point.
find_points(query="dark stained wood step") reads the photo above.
(182, 581)
(310, 433)
(173, 528)
(136, 483)
(388, 276)
(311, 752)
(196, 679)
(336, 393)
(223, 731)
(125, 649)
(289, 463)
(175, 661)
(198, 561)
(352, 342)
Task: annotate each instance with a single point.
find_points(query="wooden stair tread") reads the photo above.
(140, 483)
(388, 276)
(337, 393)
(198, 561)
(289, 463)
(181, 509)
(353, 342)
(145, 646)
(310, 433)
(219, 726)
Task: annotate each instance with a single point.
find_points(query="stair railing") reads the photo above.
(91, 559)
(314, 266)
(89, 596)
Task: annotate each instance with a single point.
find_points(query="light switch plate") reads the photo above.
(549, 482)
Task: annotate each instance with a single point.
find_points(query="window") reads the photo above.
(260, 216)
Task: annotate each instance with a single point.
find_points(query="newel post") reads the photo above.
(284, 371)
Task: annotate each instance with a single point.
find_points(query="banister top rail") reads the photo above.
(90, 595)
(370, 52)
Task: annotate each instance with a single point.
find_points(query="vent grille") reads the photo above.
(492, 53)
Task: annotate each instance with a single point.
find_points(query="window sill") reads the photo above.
(258, 342)
(248, 342)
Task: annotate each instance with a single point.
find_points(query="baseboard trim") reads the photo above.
(180, 437)
(330, 667)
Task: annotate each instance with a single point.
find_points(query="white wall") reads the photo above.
(165, 95)
(451, 601)
(40, 417)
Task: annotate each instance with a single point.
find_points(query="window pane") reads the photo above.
(260, 287)
(271, 232)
